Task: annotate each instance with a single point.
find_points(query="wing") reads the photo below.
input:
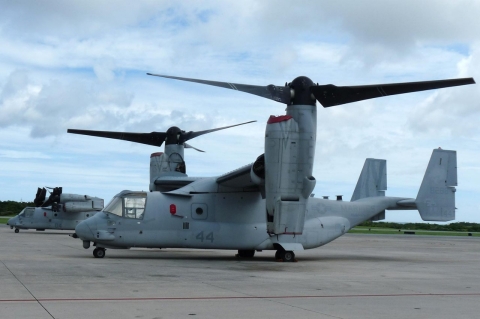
(239, 178)
(170, 183)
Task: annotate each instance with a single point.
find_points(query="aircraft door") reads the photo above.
(57, 220)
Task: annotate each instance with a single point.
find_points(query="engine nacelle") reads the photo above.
(257, 172)
(73, 198)
(92, 204)
(289, 155)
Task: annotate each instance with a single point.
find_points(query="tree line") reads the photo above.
(11, 207)
(459, 226)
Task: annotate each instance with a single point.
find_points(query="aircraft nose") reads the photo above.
(83, 230)
(11, 222)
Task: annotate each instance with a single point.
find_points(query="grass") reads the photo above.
(4, 219)
(392, 231)
(367, 230)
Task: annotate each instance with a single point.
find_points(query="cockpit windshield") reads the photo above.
(27, 212)
(128, 205)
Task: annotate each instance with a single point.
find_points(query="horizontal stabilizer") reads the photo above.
(373, 179)
(436, 198)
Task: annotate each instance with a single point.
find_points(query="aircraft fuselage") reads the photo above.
(221, 221)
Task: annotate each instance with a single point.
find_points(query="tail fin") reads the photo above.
(436, 198)
(373, 179)
(372, 182)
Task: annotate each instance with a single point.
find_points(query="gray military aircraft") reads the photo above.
(59, 211)
(267, 205)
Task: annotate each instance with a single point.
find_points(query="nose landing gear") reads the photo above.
(99, 252)
(17, 230)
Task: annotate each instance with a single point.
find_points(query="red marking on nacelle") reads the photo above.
(156, 154)
(278, 119)
(173, 209)
(44, 214)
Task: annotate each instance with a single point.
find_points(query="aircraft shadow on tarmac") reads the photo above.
(144, 254)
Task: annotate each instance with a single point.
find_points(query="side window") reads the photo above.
(134, 207)
(29, 212)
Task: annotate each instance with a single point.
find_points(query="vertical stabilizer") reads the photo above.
(436, 198)
(373, 179)
(372, 182)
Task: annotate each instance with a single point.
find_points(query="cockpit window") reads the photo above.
(130, 205)
(29, 212)
(115, 206)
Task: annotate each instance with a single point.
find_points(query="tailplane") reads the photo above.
(436, 198)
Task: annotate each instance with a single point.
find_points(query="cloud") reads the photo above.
(452, 111)
(82, 65)
(49, 109)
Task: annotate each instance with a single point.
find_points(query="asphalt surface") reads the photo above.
(49, 275)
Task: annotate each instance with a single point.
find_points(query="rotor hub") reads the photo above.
(301, 88)
(174, 136)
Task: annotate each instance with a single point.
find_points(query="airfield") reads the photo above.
(49, 275)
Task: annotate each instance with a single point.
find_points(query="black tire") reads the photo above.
(288, 256)
(99, 252)
(278, 254)
(246, 253)
(17, 231)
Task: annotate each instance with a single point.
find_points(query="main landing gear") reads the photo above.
(285, 255)
(245, 253)
(99, 252)
(17, 230)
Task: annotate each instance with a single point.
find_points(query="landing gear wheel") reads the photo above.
(285, 255)
(17, 231)
(288, 256)
(245, 253)
(99, 252)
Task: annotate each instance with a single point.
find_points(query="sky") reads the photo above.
(83, 65)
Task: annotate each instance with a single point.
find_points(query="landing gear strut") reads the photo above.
(245, 253)
(99, 252)
(285, 255)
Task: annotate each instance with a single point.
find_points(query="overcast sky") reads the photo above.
(82, 64)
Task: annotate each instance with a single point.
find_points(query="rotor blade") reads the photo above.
(189, 135)
(153, 138)
(276, 93)
(190, 146)
(331, 95)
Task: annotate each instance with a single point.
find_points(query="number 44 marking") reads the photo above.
(201, 236)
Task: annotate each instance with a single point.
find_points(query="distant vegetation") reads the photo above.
(458, 227)
(10, 207)
(13, 208)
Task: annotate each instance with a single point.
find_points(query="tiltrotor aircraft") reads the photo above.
(266, 205)
(59, 211)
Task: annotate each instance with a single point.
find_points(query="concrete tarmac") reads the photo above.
(49, 275)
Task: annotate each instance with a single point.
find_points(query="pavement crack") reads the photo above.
(38, 301)
(272, 300)
(305, 309)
